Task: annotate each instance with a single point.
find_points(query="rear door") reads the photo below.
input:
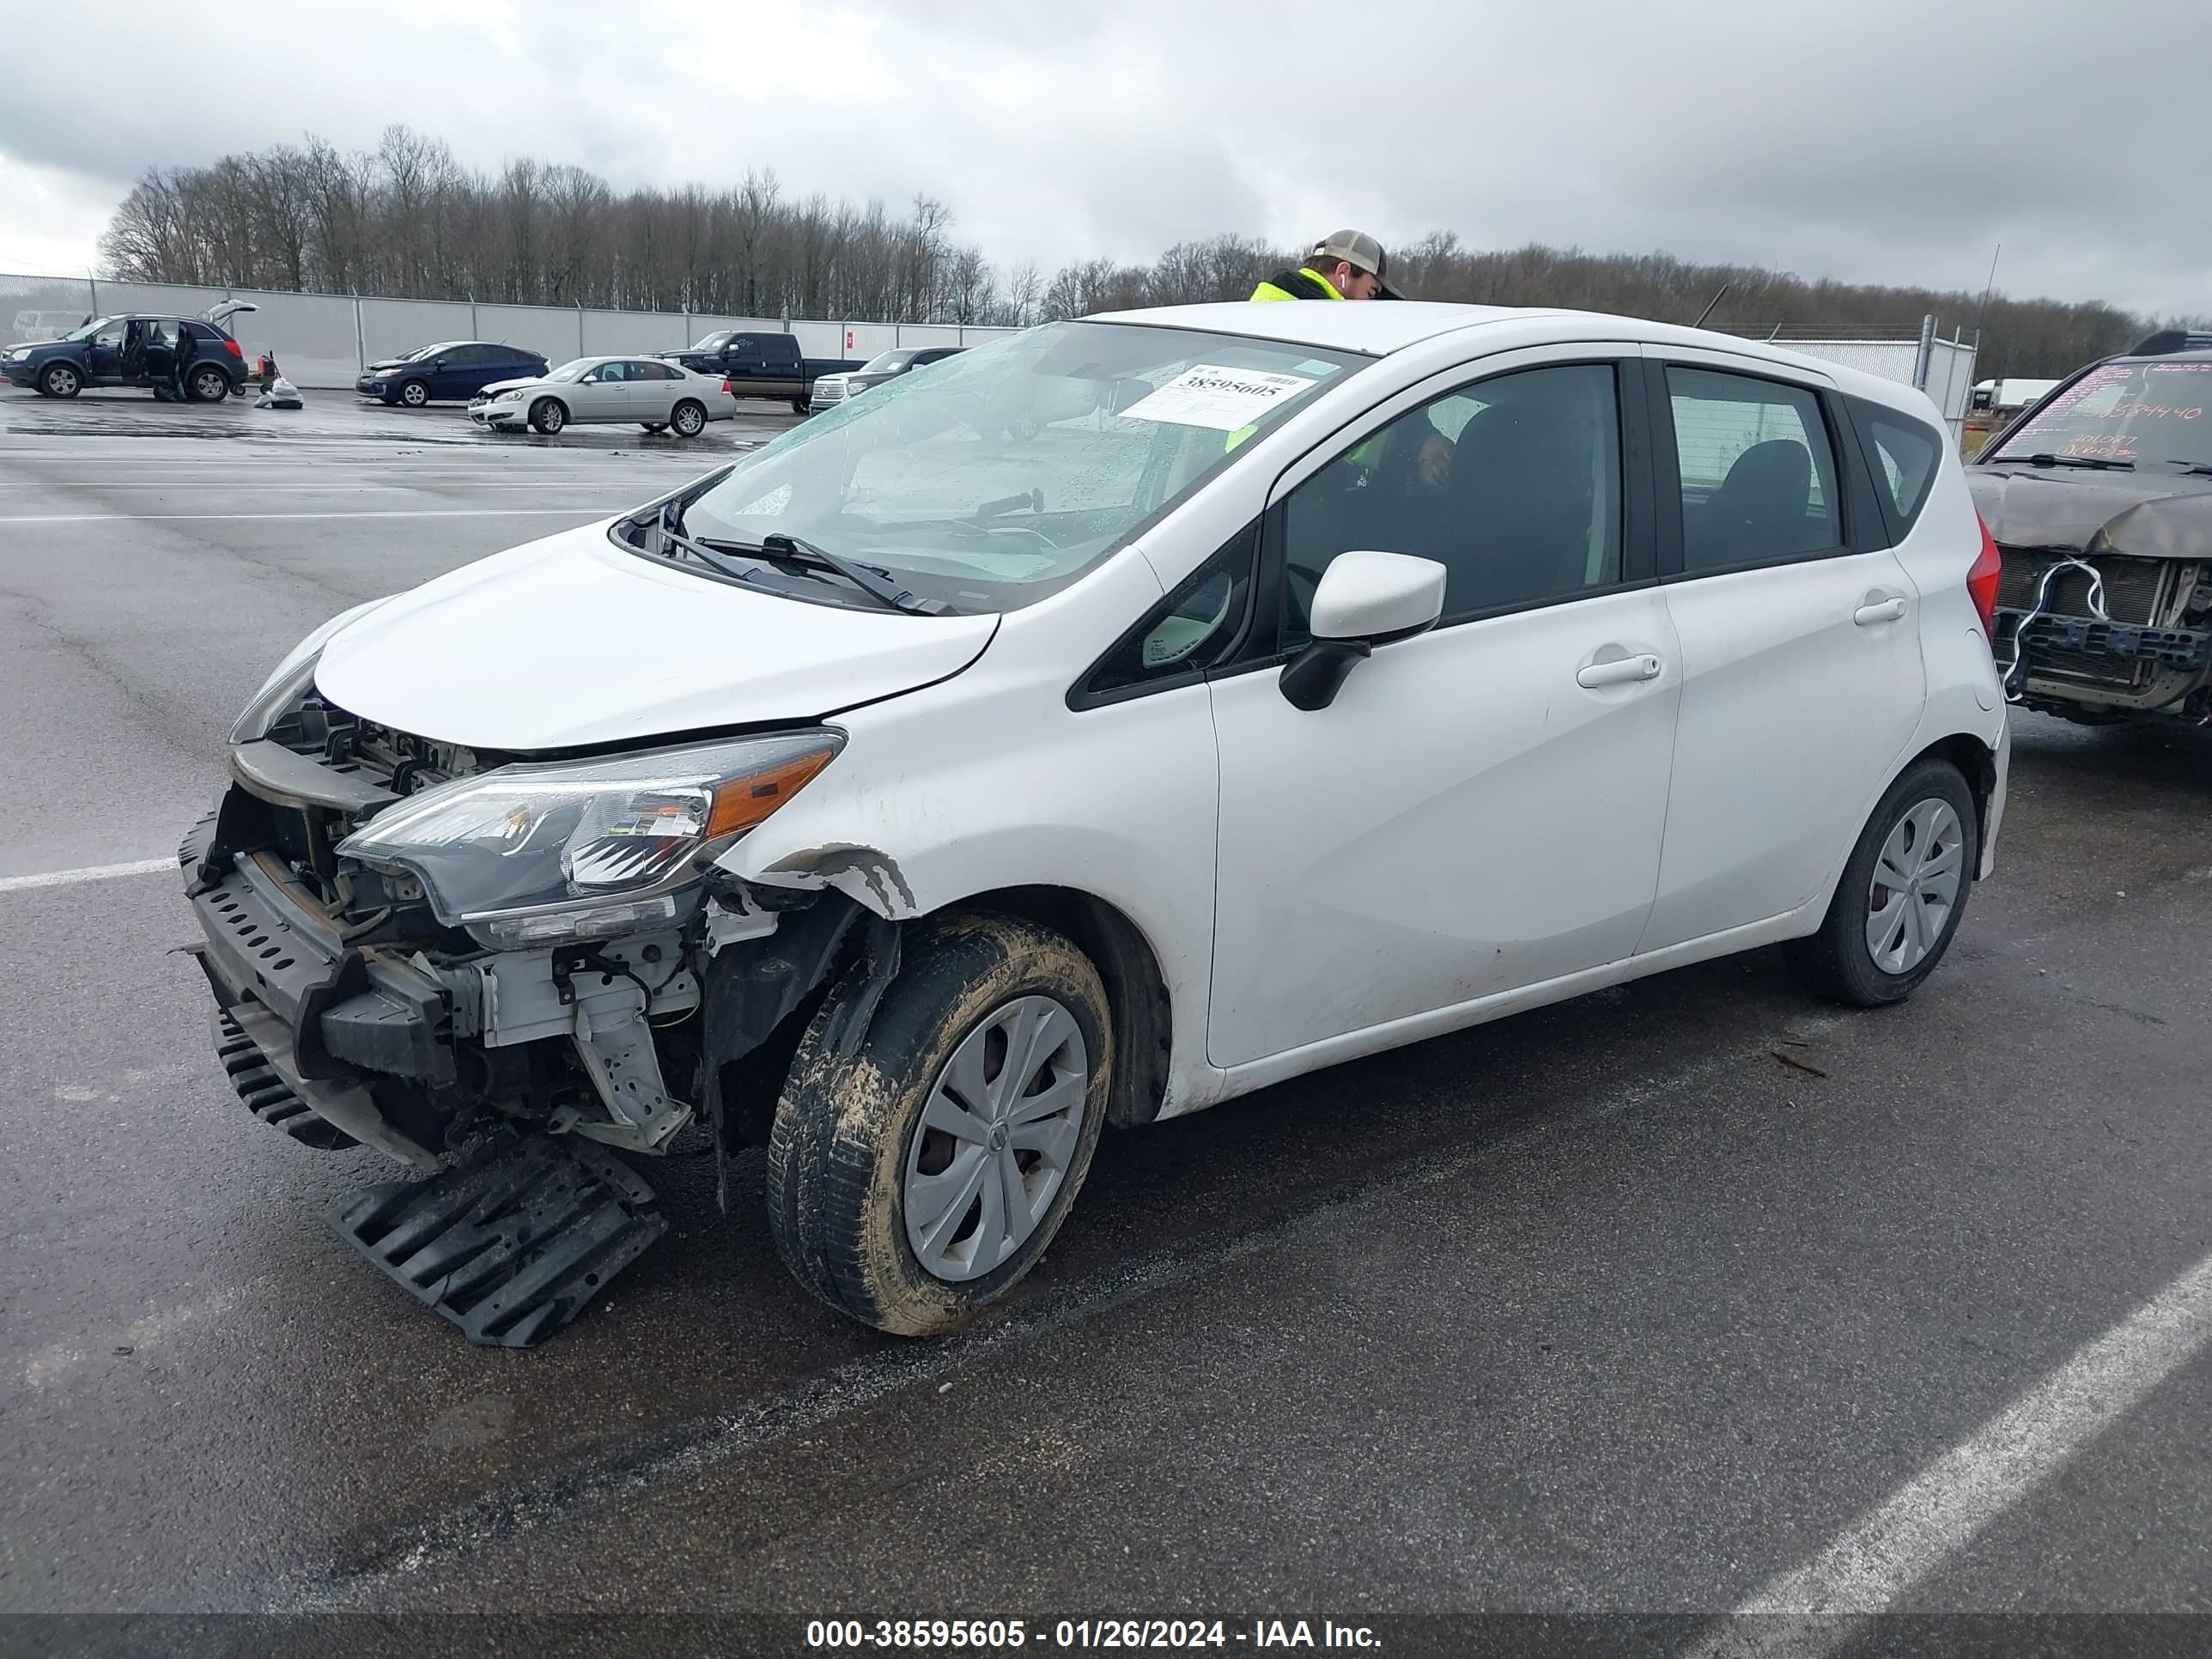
(1801, 673)
(653, 388)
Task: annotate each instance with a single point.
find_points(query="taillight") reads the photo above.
(725, 388)
(231, 346)
(1982, 579)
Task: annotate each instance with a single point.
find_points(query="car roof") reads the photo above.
(1373, 328)
(1380, 328)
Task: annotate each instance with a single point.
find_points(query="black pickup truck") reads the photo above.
(762, 365)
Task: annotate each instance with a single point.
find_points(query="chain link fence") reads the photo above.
(325, 340)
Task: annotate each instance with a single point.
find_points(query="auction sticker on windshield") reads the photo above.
(1212, 395)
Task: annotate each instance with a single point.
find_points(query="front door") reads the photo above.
(1802, 675)
(104, 354)
(1480, 808)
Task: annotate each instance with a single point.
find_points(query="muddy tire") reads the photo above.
(914, 1181)
(1902, 894)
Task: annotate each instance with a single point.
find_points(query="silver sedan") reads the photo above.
(659, 397)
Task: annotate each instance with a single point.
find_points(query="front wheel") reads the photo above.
(413, 394)
(1902, 894)
(912, 1181)
(689, 418)
(61, 381)
(547, 416)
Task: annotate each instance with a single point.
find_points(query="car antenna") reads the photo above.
(1716, 300)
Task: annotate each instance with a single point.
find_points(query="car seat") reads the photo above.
(1760, 510)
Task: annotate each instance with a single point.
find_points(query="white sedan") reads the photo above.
(659, 397)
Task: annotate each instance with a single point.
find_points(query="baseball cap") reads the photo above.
(1363, 250)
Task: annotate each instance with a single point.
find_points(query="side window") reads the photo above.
(1193, 628)
(1513, 484)
(612, 372)
(112, 336)
(1758, 472)
(744, 351)
(1905, 455)
(477, 356)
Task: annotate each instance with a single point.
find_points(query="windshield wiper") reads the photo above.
(877, 584)
(2095, 463)
(666, 526)
(2200, 468)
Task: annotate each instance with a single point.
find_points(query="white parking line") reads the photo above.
(1900, 1541)
(89, 872)
(425, 512)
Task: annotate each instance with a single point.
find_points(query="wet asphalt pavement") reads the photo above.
(1627, 1305)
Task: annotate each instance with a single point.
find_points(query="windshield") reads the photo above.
(417, 355)
(571, 369)
(90, 328)
(1007, 472)
(713, 342)
(886, 362)
(2141, 412)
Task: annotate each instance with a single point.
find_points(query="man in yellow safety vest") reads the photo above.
(1345, 264)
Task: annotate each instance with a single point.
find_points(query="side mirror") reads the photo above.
(1362, 601)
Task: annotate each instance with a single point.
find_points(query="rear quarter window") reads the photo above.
(1904, 455)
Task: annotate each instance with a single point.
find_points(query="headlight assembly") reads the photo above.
(290, 679)
(539, 852)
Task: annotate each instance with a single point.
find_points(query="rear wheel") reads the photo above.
(798, 405)
(1902, 894)
(61, 381)
(914, 1181)
(689, 418)
(548, 417)
(208, 385)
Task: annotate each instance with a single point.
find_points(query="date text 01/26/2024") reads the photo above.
(1004, 1635)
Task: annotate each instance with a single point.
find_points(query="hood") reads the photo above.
(509, 385)
(2143, 518)
(571, 640)
(387, 362)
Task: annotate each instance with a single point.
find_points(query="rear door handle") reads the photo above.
(1619, 671)
(1880, 610)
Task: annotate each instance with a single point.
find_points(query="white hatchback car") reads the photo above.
(1121, 717)
(657, 396)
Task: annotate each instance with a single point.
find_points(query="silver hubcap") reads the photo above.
(63, 382)
(995, 1139)
(552, 418)
(1916, 886)
(687, 420)
(413, 394)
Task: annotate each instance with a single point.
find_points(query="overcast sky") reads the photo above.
(1882, 141)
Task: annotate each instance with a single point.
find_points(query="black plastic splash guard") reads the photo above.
(510, 1242)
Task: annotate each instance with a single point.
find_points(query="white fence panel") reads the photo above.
(632, 333)
(390, 328)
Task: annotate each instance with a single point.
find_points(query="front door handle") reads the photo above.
(1619, 671)
(1880, 610)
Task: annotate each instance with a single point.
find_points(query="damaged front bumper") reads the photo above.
(2185, 649)
(321, 1018)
